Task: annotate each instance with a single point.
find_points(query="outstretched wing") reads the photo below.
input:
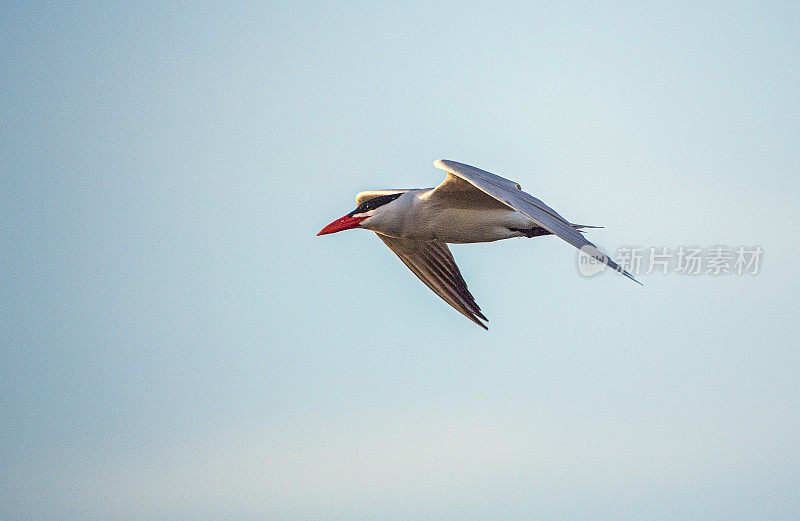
(462, 177)
(433, 263)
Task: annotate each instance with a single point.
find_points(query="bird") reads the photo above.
(471, 205)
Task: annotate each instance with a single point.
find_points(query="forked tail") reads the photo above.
(580, 227)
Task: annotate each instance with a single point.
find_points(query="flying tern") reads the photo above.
(471, 205)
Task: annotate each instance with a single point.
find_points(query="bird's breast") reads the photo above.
(465, 225)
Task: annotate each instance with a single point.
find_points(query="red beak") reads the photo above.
(344, 223)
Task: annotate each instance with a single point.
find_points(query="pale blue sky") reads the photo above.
(176, 343)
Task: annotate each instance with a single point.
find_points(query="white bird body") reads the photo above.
(418, 214)
(471, 205)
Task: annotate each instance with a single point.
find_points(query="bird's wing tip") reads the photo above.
(631, 277)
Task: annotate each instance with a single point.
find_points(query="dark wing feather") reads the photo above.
(433, 263)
